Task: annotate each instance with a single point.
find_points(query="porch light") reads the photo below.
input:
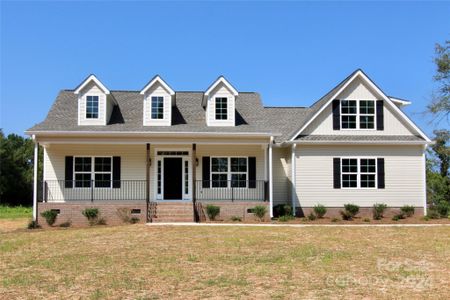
(196, 162)
(149, 161)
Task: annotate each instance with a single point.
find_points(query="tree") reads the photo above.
(440, 104)
(438, 180)
(16, 169)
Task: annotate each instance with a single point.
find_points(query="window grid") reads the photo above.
(229, 169)
(186, 177)
(221, 108)
(358, 172)
(157, 107)
(91, 107)
(159, 177)
(357, 114)
(101, 171)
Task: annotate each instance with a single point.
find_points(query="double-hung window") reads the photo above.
(100, 171)
(225, 170)
(357, 114)
(157, 107)
(221, 108)
(91, 107)
(358, 172)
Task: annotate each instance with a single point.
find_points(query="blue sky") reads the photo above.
(290, 52)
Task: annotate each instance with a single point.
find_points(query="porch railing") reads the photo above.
(231, 190)
(93, 190)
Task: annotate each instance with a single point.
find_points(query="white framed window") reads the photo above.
(225, 170)
(157, 107)
(91, 107)
(357, 114)
(221, 108)
(85, 171)
(358, 173)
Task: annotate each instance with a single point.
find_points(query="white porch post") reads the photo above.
(293, 179)
(270, 178)
(424, 180)
(35, 179)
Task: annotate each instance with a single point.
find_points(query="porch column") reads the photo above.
(270, 178)
(35, 179)
(293, 178)
(147, 180)
(424, 174)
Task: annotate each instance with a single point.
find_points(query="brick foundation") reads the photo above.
(364, 212)
(230, 209)
(72, 211)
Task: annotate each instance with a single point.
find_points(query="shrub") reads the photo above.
(378, 210)
(134, 220)
(426, 218)
(433, 214)
(367, 220)
(212, 211)
(350, 211)
(66, 224)
(320, 210)
(50, 216)
(395, 218)
(334, 220)
(408, 210)
(236, 219)
(91, 214)
(282, 210)
(101, 221)
(33, 225)
(286, 218)
(260, 211)
(312, 216)
(443, 208)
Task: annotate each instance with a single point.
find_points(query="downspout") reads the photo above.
(270, 178)
(35, 179)
(293, 179)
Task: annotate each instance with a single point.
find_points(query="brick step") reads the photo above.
(161, 215)
(175, 211)
(162, 220)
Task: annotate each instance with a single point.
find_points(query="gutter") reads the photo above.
(358, 143)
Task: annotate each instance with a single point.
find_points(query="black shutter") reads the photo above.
(336, 114)
(380, 172)
(205, 171)
(68, 179)
(252, 172)
(116, 172)
(380, 116)
(337, 173)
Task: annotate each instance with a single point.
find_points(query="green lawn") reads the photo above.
(15, 212)
(144, 262)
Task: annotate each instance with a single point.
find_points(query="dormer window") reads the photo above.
(221, 108)
(157, 107)
(357, 114)
(91, 107)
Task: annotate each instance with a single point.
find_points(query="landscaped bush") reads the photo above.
(134, 220)
(50, 216)
(320, 210)
(350, 211)
(260, 211)
(33, 225)
(407, 210)
(285, 218)
(433, 214)
(101, 221)
(236, 219)
(367, 220)
(443, 208)
(68, 223)
(212, 211)
(282, 210)
(92, 215)
(396, 218)
(334, 220)
(378, 210)
(312, 216)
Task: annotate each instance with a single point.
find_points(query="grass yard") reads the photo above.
(143, 262)
(15, 212)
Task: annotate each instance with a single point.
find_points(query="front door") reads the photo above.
(173, 178)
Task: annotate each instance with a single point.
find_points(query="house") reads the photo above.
(165, 154)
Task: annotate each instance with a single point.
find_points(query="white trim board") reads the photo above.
(87, 81)
(153, 81)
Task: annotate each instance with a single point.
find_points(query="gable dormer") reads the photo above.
(158, 102)
(95, 102)
(220, 103)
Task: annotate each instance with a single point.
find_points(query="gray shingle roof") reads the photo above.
(360, 138)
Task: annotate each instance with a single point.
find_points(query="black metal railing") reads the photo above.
(93, 190)
(232, 190)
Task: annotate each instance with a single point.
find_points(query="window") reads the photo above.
(358, 173)
(83, 171)
(91, 107)
(157, 107)
(357, 114)
(101, 171)
(229, 169)
(219, 171)
(221, 108)
(186, 177)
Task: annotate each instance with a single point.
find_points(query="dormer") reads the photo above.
(95, 102)
(158, 101)
(220, 100)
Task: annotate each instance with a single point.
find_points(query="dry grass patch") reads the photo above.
(142, 262)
